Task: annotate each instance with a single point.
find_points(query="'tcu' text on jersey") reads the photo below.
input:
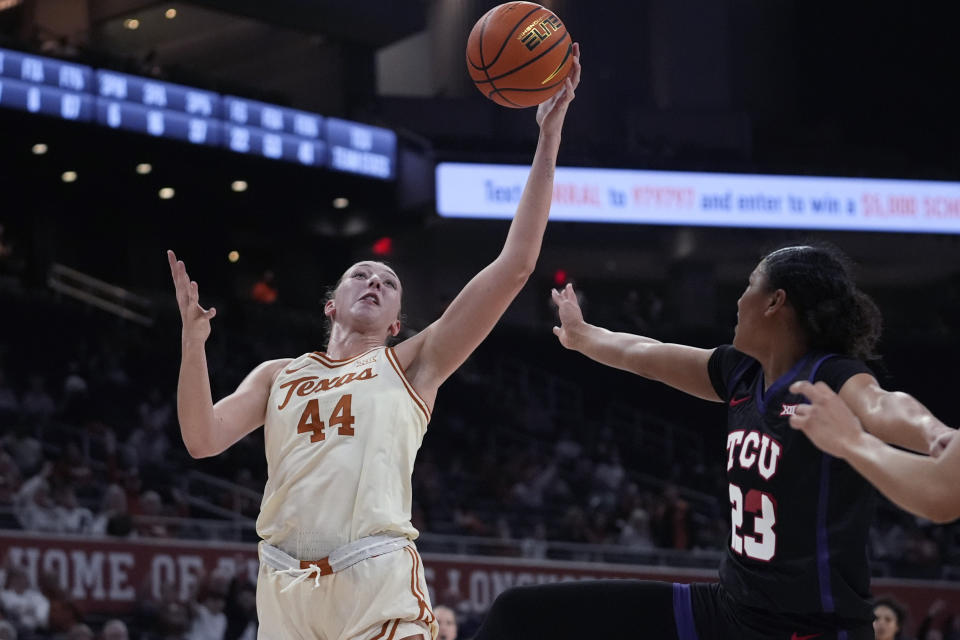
(749, 448)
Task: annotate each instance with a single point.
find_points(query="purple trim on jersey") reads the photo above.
(823, 543)
(683, 612)
(785, 379)
(816, 366)
(842, 635)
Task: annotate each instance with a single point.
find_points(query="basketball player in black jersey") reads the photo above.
(796, 562)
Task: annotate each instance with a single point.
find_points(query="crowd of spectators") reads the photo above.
(223, 607)
(89, 445)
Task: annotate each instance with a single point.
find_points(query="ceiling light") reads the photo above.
(166, 193)
(170, 14)
(239, 185)
(340, 203)
(69, 176)
(39, 149)
(233, 256)
(131, 23)
(144, 168)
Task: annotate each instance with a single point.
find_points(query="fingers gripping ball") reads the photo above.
(518, 54)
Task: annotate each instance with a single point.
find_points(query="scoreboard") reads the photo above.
(117, 100)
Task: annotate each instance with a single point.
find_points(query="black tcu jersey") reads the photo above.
(800, 518)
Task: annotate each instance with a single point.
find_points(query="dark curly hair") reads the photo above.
(899, 611)
(834, 314)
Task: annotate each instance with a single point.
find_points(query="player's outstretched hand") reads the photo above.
(550, 114)
(571, 317)
(196, 319)
(827, 420)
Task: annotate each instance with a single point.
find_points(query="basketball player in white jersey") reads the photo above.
(342, 429)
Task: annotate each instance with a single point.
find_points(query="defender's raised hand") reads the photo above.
(571, 317)
(196, 319)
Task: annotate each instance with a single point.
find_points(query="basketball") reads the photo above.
(519, 54)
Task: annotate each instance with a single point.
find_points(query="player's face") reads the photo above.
(369, 293)
(885, 623)
(750, 308)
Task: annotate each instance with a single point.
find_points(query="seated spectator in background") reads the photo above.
(72, 517)
(672, 520)
(76, 398)
(173, 621)
(610, 473)
(264, 290)
(567, 448)
(241, 611)
(921, 556)
(26, 608)
(7, 631)
(72, 467)
(114, 373)
(636, 531)
(890, 616)
(37, 403)
(133, 487)
(151, 508)
(80, 632)
(25, 449)
(535, 545)
(9, 478)
(156, 412)
(9, 404)
(64, 613)
(6, 248)
(209, 620)
(574, 527)
(150, 446)
(32, 505)
(166, 618)
(447, 619)
(113, 518)
(115, 629)
(469, 523)
(926, 630)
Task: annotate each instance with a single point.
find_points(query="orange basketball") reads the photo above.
(519, 54)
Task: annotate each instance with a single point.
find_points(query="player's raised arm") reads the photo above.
(443, 346)
(925, 486)
(679, 366)
(208, 429)
(893, 416)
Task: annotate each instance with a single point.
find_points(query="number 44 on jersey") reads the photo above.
(311, 422)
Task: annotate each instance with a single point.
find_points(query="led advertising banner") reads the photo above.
(706, 199)
(162, 109)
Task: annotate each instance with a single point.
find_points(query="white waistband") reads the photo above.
(341, 557)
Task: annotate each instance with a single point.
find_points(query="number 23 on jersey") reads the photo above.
(763, 544)
(342, 417)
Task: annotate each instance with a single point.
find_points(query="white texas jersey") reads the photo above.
(341, 439)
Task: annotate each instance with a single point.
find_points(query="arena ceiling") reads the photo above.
(290, 48)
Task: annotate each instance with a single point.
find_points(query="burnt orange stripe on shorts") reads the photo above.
(425, 613)
(383, 630)
(395, 363)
